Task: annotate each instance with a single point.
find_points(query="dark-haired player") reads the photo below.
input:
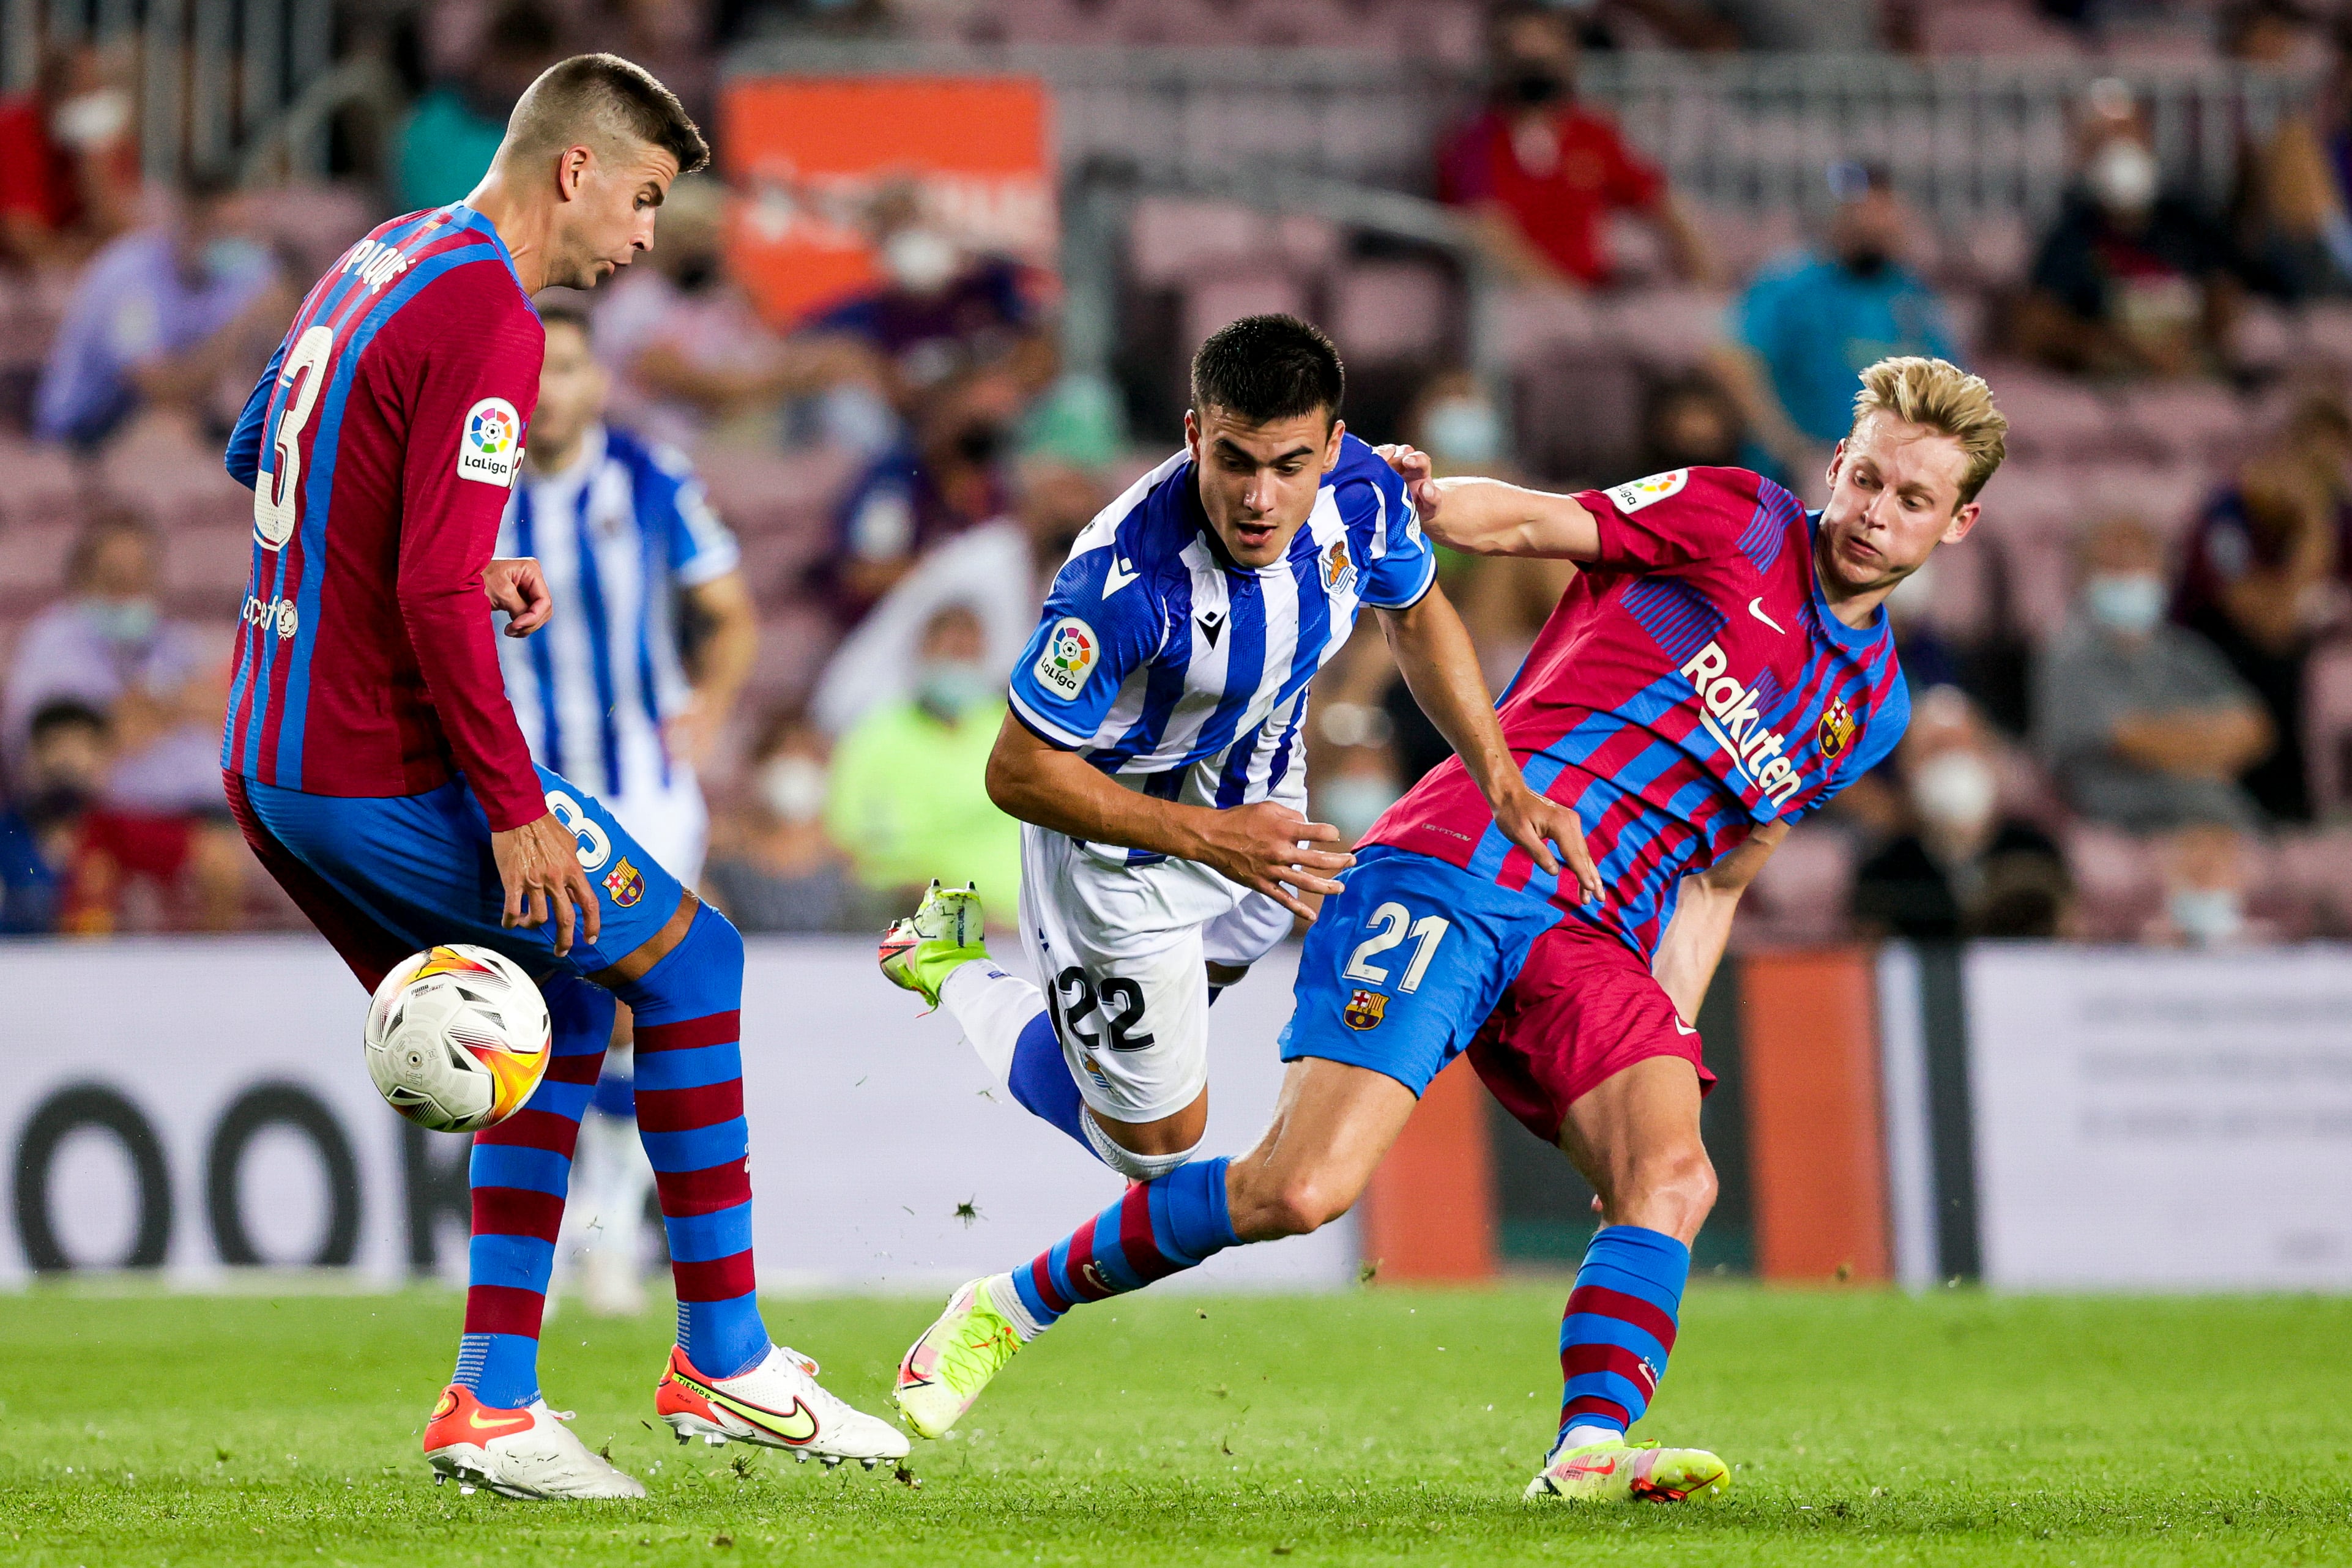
(1154, 757)
(1721, 667)
(375, 764)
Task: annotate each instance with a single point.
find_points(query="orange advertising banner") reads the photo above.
(808, 157)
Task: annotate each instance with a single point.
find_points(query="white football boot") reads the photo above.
(528, 1453)
(778, 1403)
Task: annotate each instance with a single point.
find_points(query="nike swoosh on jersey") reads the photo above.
(1756, 608)
(1115, 576)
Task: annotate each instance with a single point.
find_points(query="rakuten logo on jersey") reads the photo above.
(277, 612)
(1727, 711)
(376, 263)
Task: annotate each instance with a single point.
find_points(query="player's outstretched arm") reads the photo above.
(1694, 939)
(1487, 516)
(1435, 655)
(1266, 845)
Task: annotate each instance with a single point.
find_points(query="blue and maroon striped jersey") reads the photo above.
(380, 445)
(1691, 684)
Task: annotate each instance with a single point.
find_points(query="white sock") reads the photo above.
(1577, 1436)
(1007, 1301)
(993, 1009)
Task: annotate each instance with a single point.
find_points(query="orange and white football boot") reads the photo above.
(777, 1404)
(528, 1453)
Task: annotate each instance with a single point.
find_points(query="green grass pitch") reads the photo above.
(1386, 1426)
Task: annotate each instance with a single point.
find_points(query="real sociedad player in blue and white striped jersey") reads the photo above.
(1155, 756)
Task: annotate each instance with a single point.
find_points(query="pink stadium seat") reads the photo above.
(2309, 873)
(2328, 726)
(760, 493)
(1390, 310)
(317, 222)
(1803, 894)
(42, 484)
(1211, 303)
(33, 564)
(2262, 338)
(2118, 883)
(2050, 416)
(1170, 238)
(2191, 421)
(2326, 331)
(2041, 575)
(205, 568)
(795, 638)
(1992, 252)
(1993, 29)
(1535, 323)
(2164, 498)
(1668, 327)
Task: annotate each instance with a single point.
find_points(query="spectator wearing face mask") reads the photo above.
(691, 358)
(945, 478)
(2267, 573)
(1811, 323)
(2146, 728)
(444, 146)
(2130, 280)
(1962, 867)
(63, 772)
(773, 866)
(68, 168)
(910, 798)
(160, 316)
(941, 313)
(109, 647)
(1538, 174)
(1001, 569)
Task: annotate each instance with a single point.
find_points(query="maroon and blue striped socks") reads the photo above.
(1619, 1328)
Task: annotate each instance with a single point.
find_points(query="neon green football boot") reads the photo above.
(943, 1373)
(1620, 1471)
(921, 950)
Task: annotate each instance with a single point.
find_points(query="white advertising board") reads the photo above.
(2156, 1120)
(198, 1104)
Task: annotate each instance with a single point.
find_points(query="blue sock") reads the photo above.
(1157, 1228)
(690, 1104)
(1620, 1325)
(1040, 1079)
(519, 1172)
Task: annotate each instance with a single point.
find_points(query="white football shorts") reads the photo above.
(1121, 952)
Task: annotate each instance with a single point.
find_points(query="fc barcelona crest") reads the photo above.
(1837, 728)
(1365, 1008)
(624, 884)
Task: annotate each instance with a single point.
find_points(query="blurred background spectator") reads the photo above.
(61, 776)
(910, 794)
(448, 137)
(2131, 279)
(1962, 866)
(68, 171)
(1538, 175)
(161, 318)
(1812, 321)
(773, 866)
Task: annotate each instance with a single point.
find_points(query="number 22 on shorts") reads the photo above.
(1393, 926)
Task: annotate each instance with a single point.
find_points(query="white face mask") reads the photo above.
(2129, 603)
(1464, 429)
(1955, 790)
(794, 789)
(2122, 176)
(91, 119)
(2207, 914)
(920, 260)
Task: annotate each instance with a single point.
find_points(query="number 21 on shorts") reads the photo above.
(1393, 925)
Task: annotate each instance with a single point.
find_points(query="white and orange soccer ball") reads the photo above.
(456, 1038)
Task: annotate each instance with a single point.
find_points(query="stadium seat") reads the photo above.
(1210, 303)
(2164, 498)
(43, 485)
(795, 639)
(1390, 310)
(32, 563)
(2328, 726)
(205, 568)
(1805, 890)
(2118, 883)
(1170, 239)
(1670, 329)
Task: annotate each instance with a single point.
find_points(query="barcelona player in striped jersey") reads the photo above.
(1720, 667)
(375, 766)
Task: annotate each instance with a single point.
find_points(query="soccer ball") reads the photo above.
(456, 1038)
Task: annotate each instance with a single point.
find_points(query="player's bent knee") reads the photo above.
(1303, 1205)
(1674, 1190)
(1127, 1162)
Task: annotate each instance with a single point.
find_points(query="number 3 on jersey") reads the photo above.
(275, 496)
(1394, 926)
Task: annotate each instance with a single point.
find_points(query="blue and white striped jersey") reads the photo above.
(1185, 676)
(618, 532)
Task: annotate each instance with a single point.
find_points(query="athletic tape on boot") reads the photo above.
(1127, 1162)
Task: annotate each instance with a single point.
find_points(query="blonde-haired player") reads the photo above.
(1719, 668)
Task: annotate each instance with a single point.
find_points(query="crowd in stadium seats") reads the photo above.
(2133, 699)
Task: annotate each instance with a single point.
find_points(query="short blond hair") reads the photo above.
(1945, 398)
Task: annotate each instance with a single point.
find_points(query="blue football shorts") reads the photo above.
(385, 876)
(1401, 968)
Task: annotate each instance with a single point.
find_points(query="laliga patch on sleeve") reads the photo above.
(1640, 493)
(489, 444)
(1072, 652)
